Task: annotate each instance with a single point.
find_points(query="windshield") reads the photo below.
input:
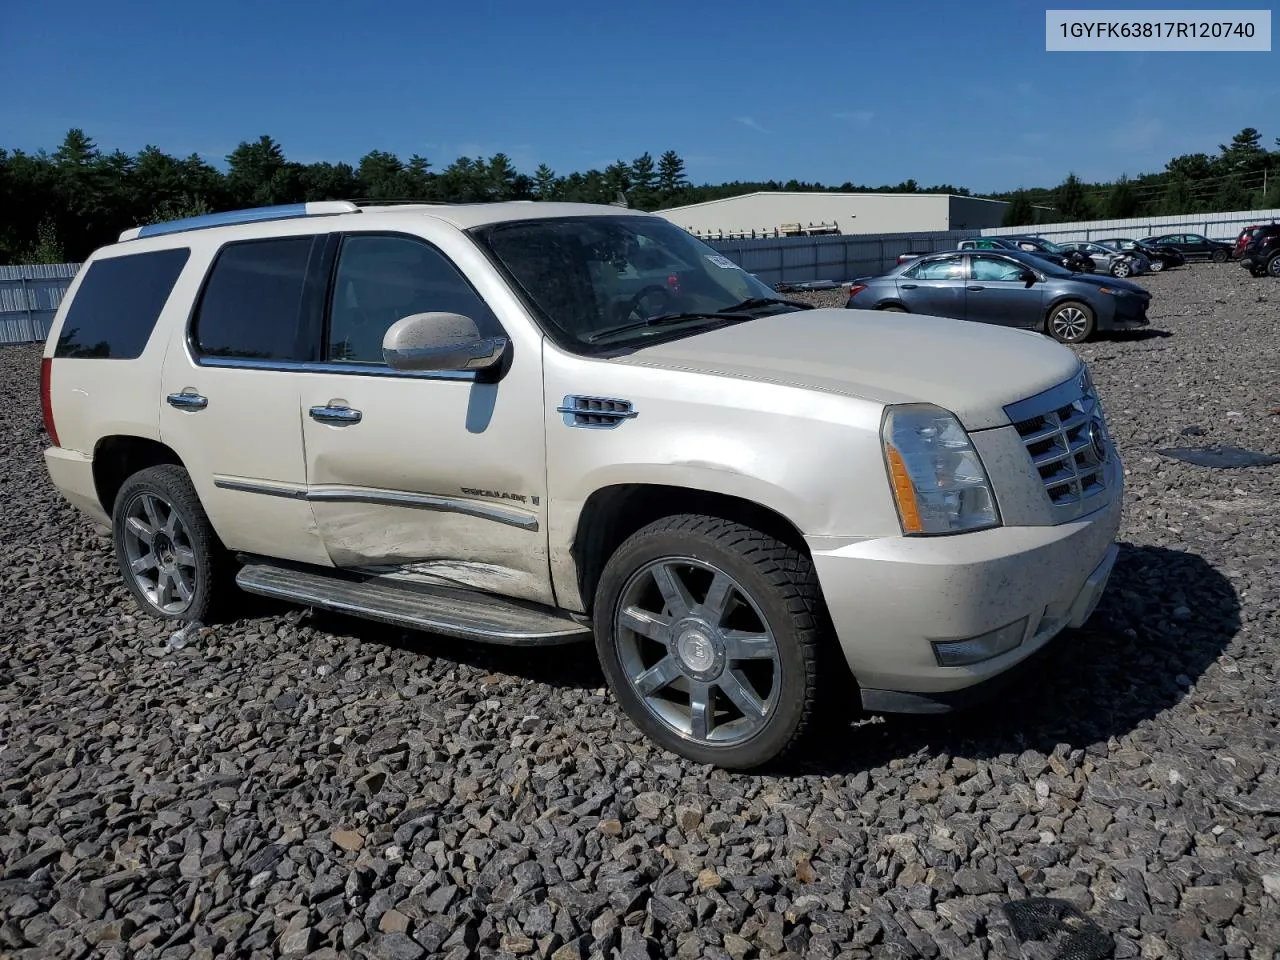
(590, 277)
(1049, 245)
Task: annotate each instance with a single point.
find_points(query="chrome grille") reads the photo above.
(1065, 435)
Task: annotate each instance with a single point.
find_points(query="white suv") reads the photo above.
(503, 422)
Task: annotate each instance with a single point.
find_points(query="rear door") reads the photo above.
(229, 396)
(997, 293)
(935, 287)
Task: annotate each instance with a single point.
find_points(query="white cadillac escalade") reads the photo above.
(538, 423)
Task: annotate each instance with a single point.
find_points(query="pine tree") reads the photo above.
(545, 186)
(671, 178)
(1122, 202)
(1070, 200)
(1019, 212)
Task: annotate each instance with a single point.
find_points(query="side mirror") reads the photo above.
(1028, 278)
(440, 341)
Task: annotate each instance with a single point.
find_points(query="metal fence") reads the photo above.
(797, 260)
(29, 297)
(1216, 226)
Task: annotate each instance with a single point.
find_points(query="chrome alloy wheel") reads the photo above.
(697, 650)
(158, 549)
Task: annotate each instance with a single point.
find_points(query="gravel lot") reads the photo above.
(294, 784)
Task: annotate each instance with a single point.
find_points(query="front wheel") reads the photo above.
(172, 561)
(1219, 256)
(708, 632)
(1071, 322)
(894, 308)
(1273, 266)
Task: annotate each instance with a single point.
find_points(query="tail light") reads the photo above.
(46, 399)
(856, 289)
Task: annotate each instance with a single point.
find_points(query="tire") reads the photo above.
(1273, 266)
(1220, 256)
(193, 578)
(894, 308)
(1121, 269)
(663, 575)
(1157, 265)
(1071, 322)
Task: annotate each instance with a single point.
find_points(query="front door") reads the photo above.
(998, 293)
(437, 478)
(935, 287)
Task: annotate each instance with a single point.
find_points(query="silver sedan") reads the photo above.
(1118, 263)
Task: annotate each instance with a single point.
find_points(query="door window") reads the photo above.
(251, 307)
(948, 268)
(996, 268)
(382, 279)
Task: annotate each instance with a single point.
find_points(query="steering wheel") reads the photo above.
(633, 306)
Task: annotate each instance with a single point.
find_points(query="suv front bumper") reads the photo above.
(891, 599)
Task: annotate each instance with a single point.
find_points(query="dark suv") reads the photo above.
(1261, 255)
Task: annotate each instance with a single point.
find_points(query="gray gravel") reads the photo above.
(292, 784)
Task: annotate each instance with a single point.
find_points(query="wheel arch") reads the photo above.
(118, 457)
(612, 513)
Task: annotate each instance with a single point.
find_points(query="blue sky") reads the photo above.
(831, 91)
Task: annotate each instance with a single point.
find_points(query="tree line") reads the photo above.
(60, 206)
(1242, 175)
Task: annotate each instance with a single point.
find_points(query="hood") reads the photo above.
(1106, 280)
(971, 369)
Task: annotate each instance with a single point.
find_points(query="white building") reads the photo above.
(778, 213)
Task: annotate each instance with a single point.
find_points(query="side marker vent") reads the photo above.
(595, 412)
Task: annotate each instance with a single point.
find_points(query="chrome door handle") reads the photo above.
(332, 414)
(187, 400)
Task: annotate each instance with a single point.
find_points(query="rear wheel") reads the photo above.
(1071, 322)
(708, 632)
(1121, 268)
(1157, 265)
(172, 561)
(1219, 256)
(894, 308)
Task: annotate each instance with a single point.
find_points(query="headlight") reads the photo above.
(938, 482)
(1113, 291)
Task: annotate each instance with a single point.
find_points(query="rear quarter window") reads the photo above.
(116, 307)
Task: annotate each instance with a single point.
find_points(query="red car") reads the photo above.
(1242, 241)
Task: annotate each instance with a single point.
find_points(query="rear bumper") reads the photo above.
(891, 599)
(72, 476)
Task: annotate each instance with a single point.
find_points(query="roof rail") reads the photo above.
(317, 208)
(395, 201)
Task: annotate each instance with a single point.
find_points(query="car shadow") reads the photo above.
(1165, 617)
(1131, 336)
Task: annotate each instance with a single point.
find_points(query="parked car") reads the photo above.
(1261, 257)
(1067, 261)
(1160, 257)
(1118, 263)
(1072, 259)
(1193, 246)
(450, 418)
(1009, 288)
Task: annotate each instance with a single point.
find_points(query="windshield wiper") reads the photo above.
(667, 318)
(752, 303)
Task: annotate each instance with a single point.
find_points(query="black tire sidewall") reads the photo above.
(172, 485)
(789, 714)
(1088, 312)
(1220, 256)
(1273, 266)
